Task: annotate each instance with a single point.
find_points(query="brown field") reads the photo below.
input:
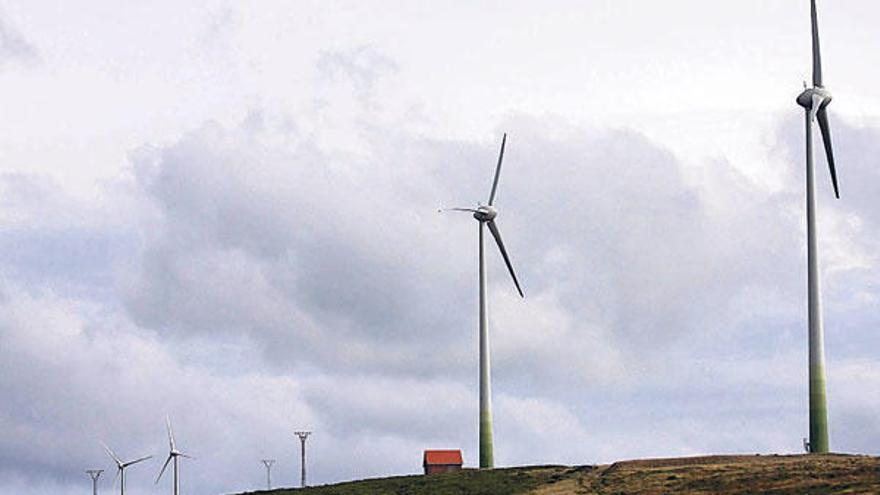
(725, 475)
(713, 475)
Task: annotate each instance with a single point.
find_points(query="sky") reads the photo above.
(227, 213)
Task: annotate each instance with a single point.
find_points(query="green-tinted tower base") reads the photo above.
(818, 416)
(486, 455)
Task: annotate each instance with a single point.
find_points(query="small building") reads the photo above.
(442, 461)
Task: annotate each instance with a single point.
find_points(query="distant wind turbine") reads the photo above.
(173, 454)
(485, 215)
(94, 474)
(268, 463)
(121, 466)
(815, 101)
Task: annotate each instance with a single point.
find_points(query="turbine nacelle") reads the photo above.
(810, 95)
(485, 213)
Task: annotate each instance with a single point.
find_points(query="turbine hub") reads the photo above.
(805, 99)
(485, 213)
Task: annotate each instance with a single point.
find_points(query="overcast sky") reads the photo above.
(227, 213)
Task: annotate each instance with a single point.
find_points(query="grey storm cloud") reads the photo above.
(274, 282)
(345, 259)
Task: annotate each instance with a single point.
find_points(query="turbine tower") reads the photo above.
(121, 466)
(485, 216)
(303, 435)
(173, 454)
(94, 474)
(815, 101)
(268, 463)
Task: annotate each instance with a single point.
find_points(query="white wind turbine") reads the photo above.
(173, 454)
(121, 466)
(268, 463)
(815, 101)
(485, 216)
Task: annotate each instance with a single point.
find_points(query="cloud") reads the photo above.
(362, 67)
(344, 258)
(14, 48)
(253, 278)
(75, 373)
(272, 283)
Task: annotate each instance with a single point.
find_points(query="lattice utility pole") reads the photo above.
(268, 463)
(303, 435)
(94, 474)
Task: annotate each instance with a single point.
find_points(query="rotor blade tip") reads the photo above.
(493, 228)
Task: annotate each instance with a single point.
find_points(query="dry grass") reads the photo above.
(715, 475)
(727, 475)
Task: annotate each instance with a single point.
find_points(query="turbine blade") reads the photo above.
(497, 170)
(817, 56)
(112, 454)
(129, 463)
(817, 105)
(170, 433)
(167, 461)
(116, 478)
(181, 454)
(497, 235)
(469, 210)
(822, 117)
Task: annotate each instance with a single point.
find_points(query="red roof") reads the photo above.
(442, 457)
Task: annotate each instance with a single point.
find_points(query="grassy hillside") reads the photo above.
(467, 482)
(717, 475)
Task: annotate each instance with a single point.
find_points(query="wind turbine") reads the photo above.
(485, 216)
(94, 474)
(173, 454)
(815, 101)
(268, 463)
(120, 466)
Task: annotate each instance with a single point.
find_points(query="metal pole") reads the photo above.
(303, 435)
(486, 451)
(95, 474)
(818, 402)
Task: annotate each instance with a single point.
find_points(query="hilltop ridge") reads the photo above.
(715, 475)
